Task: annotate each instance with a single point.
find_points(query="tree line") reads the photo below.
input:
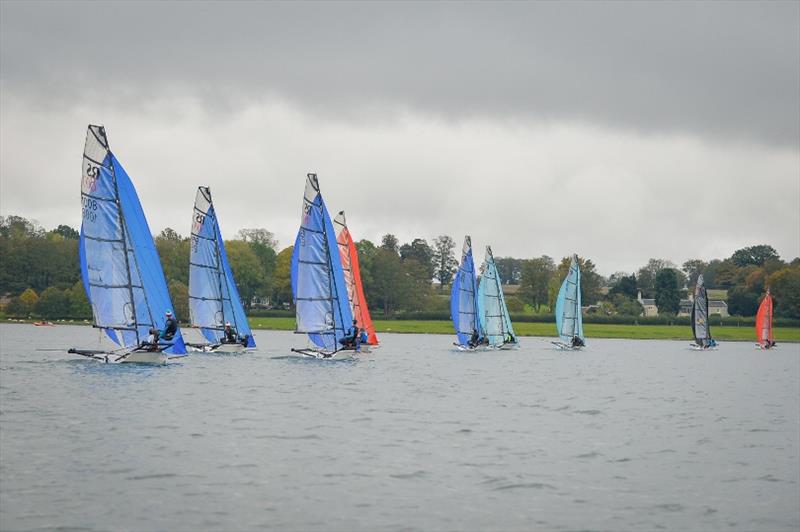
(39, 276)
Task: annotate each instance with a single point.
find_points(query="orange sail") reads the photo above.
(352, 278)
(764, 322)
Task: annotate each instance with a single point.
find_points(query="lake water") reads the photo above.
(626, 435)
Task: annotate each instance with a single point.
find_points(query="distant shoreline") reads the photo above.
(592, 330)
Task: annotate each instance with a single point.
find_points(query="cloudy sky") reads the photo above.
(617, 130)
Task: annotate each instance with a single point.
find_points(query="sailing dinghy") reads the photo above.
(569, 320)
(214, 301)
(318, 284)
(120, 267)
(701, 329)
(764, 324)
(352, 278)
(492, 310)
(464, 303)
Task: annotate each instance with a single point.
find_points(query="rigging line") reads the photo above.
(98, 198)
(101, 142)
(98, 239)
(96, 162)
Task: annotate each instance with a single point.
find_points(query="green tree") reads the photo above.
(389, 242)
(246, 269)
(510, 269)
(646, 276)
(29, 300)
(742, 302)
(693, 268)
(754, 255)
(173, 250)
(67, 232)
(53, 303)
(179, 294)
(420, 251)
(445, 262)
(258, 236)
(785, 287)
(78, 303)
(282, 284)
(668, 296)
(366, 253)
(389, 281)
(625, 286)
(626, 306)
(535, 278)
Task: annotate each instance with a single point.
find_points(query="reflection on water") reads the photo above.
(626, 435)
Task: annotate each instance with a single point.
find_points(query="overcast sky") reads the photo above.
(619, 131)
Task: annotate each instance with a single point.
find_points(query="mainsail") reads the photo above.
(213, 296)
(764, 322)
(700, 326)
(569, 320)
(463, 300)
(318, 285)
(120, 267)
(492, 311)
(352, 277)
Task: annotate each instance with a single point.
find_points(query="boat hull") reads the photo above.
(221, 349)
(566, 347)
(156, 358)
(695, 347)
(344, 354)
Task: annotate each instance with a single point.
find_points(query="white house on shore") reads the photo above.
(649, 306)
(715, 307)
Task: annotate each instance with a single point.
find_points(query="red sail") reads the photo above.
(352, 277)
(764, 321)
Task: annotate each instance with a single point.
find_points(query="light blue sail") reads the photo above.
(213, 296)
(120, 267)
(463, 300)
(493, 315)
(569, 321)
(318, 285)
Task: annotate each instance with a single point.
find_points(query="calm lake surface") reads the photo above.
(626, 435)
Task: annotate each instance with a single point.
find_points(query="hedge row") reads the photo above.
(730, 321)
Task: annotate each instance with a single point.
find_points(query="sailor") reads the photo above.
(364, 336)
(475, 339)
(230, 336)
(170, 327)
(151, 344)
(510, 339)
(352, 333)
(577, 341)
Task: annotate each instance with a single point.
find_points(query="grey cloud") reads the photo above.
(728, 69)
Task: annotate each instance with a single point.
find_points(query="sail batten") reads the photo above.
(701, 329)
(119, 263)
(493, 312)
(352, 276)
(213, 295)
(463, 298)
(318, 283)
(569, 320)
(764, 322)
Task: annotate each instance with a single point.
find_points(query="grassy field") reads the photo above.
(592, 330)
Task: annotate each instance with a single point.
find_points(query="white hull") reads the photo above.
(695, 347)
(484, 347)
(344, 354)
(762, 348)
(157, 358)
(566, 347)
(222, 349)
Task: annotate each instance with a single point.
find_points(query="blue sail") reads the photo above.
(120, 267)
(463, 300)
(318, 285)
(213, 296)
(492, 311)
(569, 321)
